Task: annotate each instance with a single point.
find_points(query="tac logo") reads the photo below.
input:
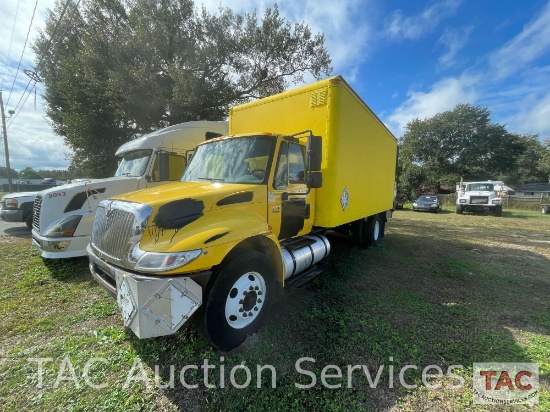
(506, 383)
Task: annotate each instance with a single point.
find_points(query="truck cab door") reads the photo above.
(289, 205)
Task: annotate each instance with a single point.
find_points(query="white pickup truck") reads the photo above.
(17, 207)
(478, 196)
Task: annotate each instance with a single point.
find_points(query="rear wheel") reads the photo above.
(236, 300)
(373, 230)
(459, 209)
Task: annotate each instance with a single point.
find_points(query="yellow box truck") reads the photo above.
(249, 213)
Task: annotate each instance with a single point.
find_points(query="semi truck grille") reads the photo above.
(36, 212)
(112, 230)
(479, 200)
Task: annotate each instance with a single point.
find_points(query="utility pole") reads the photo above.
(6, 143)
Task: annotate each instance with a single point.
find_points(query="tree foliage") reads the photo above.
(4, 174)
(463, 142)
(30, 173)
(122, 68)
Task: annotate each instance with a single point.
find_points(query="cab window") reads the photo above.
(174, 164)
(290, 166)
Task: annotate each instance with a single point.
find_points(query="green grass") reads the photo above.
(440, 289)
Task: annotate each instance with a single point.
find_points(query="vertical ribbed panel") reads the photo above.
(111, 232)
(36, 212)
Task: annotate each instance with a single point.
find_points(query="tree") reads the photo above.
(124, 68)
(4, 174)
(463, 142)
(29, 173)
(544, 162)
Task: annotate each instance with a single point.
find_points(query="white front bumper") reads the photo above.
(60, 247)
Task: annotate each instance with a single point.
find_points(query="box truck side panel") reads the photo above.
(287, 113)
(359, 153)
(359, 177)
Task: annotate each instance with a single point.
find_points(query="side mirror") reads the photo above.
(315, 180)
(164, 165)
(211, 135)
(314, 149)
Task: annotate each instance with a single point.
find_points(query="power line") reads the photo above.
(22, 53)
(11, 42)
(41, 60)
(25, 101)
(55, 30)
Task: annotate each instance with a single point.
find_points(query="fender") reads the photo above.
(216, 233)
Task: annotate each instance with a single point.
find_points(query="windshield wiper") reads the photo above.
(212, 179)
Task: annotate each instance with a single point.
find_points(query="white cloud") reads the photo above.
(534, 117)
(532, 43)
(443, 95)
(453, 41)
(399, 27)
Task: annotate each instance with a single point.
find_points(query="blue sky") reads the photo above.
(406, 59)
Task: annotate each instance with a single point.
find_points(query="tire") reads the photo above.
(498, 211)
(28, 221)
(240, 290)
(373, 230)
(358, 232)
(459, 209)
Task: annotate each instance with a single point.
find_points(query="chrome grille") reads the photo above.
(36, 212)
(112, 230)
(479, 200)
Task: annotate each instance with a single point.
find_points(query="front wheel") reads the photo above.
(28, 221)
(498, 210)
(459, 209)
(236, 300)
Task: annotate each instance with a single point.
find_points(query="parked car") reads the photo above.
(427, 203)
(49, 181)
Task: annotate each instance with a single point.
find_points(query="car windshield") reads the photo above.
(427, 199)
(134, 163)
(482, 187)
(235, 160)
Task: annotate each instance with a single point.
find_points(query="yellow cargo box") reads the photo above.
(359, 152)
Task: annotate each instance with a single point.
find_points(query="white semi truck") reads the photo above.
(63, 215)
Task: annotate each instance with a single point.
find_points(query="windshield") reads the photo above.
(427, 199)
(237, 160)
(134, 163)
(482, 187)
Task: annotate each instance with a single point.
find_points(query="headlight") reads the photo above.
(495, 201)
(162, 262)
(64, 228)
(462, 200)
(11, 204)
(414, 204)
